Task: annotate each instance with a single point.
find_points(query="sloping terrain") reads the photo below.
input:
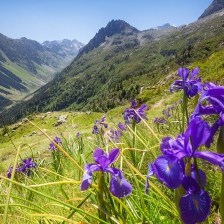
(215, 6)
(125, 66)
(26, 65)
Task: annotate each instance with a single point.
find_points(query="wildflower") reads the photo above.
(130, 114)
(214, 95)
(191, 85)
(9, 174)
(169, 166)
(95, 130)
(159, 120)
(118, 184)
(26, 166)
(122, 126)
(52, 145)
(57, 140)
(102, 122)
(195, 205)
(78, 135)
(115, 135)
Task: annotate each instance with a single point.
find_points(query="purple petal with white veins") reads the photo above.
(195, 207)
(168, 170)
(119, 186)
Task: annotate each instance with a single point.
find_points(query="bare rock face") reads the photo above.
(214, 7)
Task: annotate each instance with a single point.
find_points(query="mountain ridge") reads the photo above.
(26, 65)
(215, 6)
(111, 74)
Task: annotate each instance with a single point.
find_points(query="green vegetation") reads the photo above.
(111, 75)
(52, 192)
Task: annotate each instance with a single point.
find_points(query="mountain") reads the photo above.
(162, 27)
(214, 7)
(26, 65)
(123, 63)
(113, 27)
(64, 47)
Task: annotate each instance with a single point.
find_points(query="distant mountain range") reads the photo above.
(26, 65)
(162, 27)
(64, 47)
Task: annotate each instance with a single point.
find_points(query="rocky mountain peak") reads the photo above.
(214, 7)
(112, 28)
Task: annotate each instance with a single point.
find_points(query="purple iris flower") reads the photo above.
(78, 135)
(133, 104)
(26, 167)
(57, 140)
(52, 145)
(189, 83)
(119, 186)
(102, 121)
(115, 135)
(130, 114)
(214, 95)
(122, 126)
(159, 120)
(169, 166)
(95, 130)
(9, 174)
(195, 205)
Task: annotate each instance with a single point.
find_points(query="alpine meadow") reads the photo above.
(126, 129)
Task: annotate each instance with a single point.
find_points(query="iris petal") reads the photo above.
(86, 181)
(183, 73)
(150, 173)
(114, 153)
(97, 154)
(214, 158)
(168, 170)
(119, 186)
(194, 72)
(195, 207)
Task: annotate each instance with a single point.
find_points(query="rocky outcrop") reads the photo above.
(112, 28)
(214, 7)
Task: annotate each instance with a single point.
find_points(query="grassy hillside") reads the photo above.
(113, 74)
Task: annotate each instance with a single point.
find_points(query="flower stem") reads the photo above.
(134, 142)
(178, 193)
(221, 203)
(220, 150)
(101, 184)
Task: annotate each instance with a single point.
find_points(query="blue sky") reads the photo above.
(42, 20)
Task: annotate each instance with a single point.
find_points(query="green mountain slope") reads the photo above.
(126, 65)
(26, 65)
